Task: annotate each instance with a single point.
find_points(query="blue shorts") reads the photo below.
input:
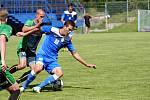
(48, 63)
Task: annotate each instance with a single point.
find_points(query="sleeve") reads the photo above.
(28, 23)
(70, 47)
(7, 32)
(63, 16)
(46, 29)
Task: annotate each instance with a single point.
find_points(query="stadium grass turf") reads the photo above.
(123, 69)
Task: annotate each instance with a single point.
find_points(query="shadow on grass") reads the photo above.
(49, 88)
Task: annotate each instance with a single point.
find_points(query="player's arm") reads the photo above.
(3, 50)
(62, 18)
(75, 18)
(82, 61)
(27, 28)
(20, 34)
(78, 57)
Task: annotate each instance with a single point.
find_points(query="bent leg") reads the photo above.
(37, 69)
(57, 74)
(14, 92)
(21, 63)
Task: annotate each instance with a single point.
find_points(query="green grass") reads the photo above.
(126, 27)
(123, 69)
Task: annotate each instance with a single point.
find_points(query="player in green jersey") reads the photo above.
(7, 81)
(27, 47)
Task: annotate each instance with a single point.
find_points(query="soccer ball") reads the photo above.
(107, 16)
(58, 85)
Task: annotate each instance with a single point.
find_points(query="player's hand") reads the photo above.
(39, 22)
(20, 34)
(91, 66)
(4, 67)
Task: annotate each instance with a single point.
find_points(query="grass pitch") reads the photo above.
(123, 69)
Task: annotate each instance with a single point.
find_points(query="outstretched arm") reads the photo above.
(20, 34)
(27, 28)
(78, 58)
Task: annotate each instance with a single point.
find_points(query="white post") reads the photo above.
(106, 16)
(127, 11)
(148, 4)
(138, 20)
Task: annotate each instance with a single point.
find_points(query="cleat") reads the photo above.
(36, 89)
(22, 89)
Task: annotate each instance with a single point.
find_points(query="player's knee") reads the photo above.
(13, 87)
(37, 69)
(59, 73)
(21, 66)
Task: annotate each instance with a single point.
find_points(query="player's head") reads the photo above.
(40, 13)
(3, 15)
(70, 7)
(68, 27)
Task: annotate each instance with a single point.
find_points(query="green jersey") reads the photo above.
(5, 30)
(30, 41)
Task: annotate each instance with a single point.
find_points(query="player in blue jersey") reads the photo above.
(69, 14)
(48, 54)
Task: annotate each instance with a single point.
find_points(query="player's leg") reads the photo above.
(32, 75)
(52, 78)
(88, 28)
(14, 92)
(31, 64)
(8, 82)
(23, 77)
(21, 63)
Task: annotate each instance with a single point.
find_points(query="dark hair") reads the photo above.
(71, 4)
(3, 14)
(69, 22)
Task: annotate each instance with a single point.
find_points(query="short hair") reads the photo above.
(3, 14)
(70, 4)
(38, 11)
(69, 22)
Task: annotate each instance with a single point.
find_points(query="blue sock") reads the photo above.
(30, 78)
(48, 80)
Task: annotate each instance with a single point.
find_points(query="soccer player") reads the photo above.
(69, 14)
(28, 44)
(47, 55)
(87, 18)
(7, 81)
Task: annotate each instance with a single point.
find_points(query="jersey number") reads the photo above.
(56, 41)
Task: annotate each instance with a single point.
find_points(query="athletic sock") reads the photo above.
(23, 77)
(13, 69)
(15, 95)
(30, 78)
(48, 80)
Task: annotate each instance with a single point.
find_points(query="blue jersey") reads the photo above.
(69, 16)
(53, 42)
